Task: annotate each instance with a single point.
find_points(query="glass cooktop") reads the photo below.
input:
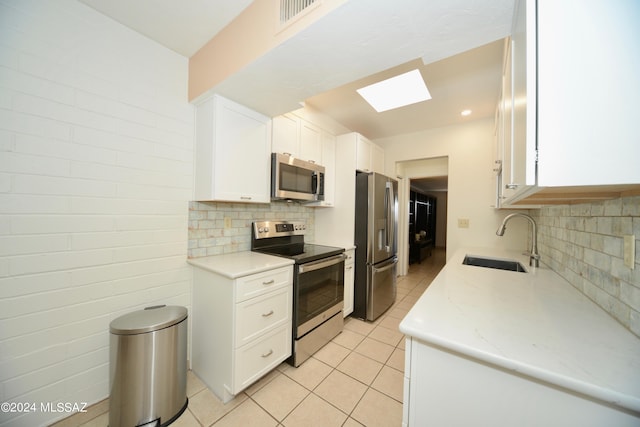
(302, 252)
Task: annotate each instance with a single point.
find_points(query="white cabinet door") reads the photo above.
(233, 148)
(523, 51)
(369, 156)
(349, 274)
(377, 158)
(588, 86)
(310, 143)
(363, 154)
(285, 134)
(574, 89)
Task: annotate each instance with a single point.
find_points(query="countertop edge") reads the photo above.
(272, 262)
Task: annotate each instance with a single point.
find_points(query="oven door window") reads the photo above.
(318, 292)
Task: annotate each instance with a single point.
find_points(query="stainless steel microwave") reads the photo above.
(295, 179)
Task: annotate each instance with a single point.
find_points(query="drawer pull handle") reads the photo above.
(270, 282)
(267, 314)
(267, 354)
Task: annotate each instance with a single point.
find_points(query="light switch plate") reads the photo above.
(463, 223)
(630, 251)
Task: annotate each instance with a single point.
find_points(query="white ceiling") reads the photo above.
(182, 26)
(360, 42)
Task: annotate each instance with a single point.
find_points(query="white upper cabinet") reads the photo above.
(363, 153)
(589, 84)
(232, 153)
(310, 143)
(306, 141)
(377, 158)
(297, 137)
(574, 81)
(285, 135)
(369, 156)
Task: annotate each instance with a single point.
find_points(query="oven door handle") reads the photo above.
(323, 263)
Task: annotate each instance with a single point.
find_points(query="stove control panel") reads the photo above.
(265, 229)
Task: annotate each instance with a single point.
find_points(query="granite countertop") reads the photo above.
(535, 323)
(240, 264)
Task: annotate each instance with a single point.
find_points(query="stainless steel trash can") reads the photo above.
(148, 367)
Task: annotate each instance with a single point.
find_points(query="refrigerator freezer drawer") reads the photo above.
(381, 287)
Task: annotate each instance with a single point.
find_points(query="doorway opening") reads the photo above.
(427, 217)
(422, 210)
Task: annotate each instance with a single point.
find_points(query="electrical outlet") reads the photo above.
(630, 251)
(463, 223)
(227, 222)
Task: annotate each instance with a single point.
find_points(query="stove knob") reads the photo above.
(260, 230)
(266, 229)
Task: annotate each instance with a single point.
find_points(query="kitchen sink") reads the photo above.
(500, 264)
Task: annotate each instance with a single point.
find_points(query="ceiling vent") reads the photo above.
(290, 9)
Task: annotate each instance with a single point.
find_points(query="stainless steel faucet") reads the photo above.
(534, 256)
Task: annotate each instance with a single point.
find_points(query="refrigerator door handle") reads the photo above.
(393, 262)
(389, 197)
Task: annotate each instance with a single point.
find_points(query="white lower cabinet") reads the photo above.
(241, 327)
(444, 388)
(348, 282)
(254, 360)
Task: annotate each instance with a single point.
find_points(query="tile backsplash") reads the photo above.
(219, 227)
(584, 244)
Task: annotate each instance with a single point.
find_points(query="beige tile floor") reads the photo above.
(355, 380)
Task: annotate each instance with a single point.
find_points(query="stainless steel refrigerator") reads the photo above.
(376, 243)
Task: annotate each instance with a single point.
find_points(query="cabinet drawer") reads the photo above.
(262, 283)
(259, 357)
(257, 316)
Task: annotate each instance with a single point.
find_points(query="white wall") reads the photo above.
(469, 148)
(95, 173)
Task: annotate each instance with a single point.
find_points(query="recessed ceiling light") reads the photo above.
(405, 89)
(465, 112)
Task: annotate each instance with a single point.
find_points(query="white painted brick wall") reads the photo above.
(96, 146)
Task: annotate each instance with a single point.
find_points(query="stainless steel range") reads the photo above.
(318, 283)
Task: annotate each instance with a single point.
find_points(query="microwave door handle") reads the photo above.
(315, 182)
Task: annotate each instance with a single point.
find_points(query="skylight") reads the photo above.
(399, 91)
